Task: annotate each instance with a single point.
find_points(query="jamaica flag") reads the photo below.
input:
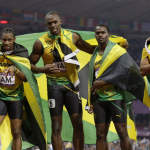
(119, 69)
(33, 117)
(88, 120)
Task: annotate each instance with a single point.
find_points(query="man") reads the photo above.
(58, 49)
(107, 101)
(11, 87)
(145, 62)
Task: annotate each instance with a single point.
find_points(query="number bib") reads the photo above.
(96, 71)
(7, 81)
(61, 65)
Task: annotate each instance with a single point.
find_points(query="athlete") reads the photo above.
(145, 62)
(107, 100)
(56, 48)
(11, 87)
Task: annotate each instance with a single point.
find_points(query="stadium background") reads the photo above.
(127, 18)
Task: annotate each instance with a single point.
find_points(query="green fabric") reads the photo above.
(52, 81)
(102, 95)
(107, 92)
(15, 96)
(67, 130)
(53, 36)
(91, 65)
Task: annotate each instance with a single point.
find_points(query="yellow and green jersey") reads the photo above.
(51, 56)
(107, 92)
(11, 88)
(145, 53)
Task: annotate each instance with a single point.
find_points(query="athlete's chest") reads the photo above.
(97, 63)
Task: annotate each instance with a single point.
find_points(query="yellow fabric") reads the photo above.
(5, 132)
(117, 39)
(145, 53)
(23, 61)
(8, 90)
(113, 55)
(34, 106)
(49, 45)
(146, 98)
(107, 92)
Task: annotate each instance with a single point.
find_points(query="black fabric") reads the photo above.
(65, 49)
(125, 74)
(104, 111)
(83, 77)
(14, 109)
(34, 133)
(18, 50)
(58, 95)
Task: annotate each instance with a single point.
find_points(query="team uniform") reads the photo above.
(108, 101)
(11, 91)
(61, 90)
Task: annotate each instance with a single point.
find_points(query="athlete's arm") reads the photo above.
(97, 85)
(145, 67)
(82, 45)
(13, 71)
(34, 58)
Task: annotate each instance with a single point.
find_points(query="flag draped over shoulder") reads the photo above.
(88, 120)
(119, 69)
(63, 41)
(33, 126)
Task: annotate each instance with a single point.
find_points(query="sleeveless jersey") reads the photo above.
(50, 56)
(10, 88)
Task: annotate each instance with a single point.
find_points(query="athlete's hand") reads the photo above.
(97, 85)
(50, 69)
(90, 111)
(11, 70)
(126, 45)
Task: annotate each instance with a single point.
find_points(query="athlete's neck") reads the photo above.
(102, 47)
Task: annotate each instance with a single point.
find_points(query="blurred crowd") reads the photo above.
(140, 144)
(135, 49)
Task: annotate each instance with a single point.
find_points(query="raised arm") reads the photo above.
(145, 67)
(81, 44)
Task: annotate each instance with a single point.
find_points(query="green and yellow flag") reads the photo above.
(33, 126)
(88, 120)
(119, 69)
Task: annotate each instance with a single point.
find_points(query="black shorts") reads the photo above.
(58, 95)
(14, 109)
(104, 111)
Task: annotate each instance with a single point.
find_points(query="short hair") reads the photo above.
(52, 13)
(103, 25)
(8, 30)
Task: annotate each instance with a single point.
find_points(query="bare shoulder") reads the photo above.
(37, 47)
(145, 61)
(76, 37)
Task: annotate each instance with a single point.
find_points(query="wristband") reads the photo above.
(16, 70)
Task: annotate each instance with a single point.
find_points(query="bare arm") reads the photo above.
(145, 67)
(34, 58)
(18, 73)
(82, 45)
